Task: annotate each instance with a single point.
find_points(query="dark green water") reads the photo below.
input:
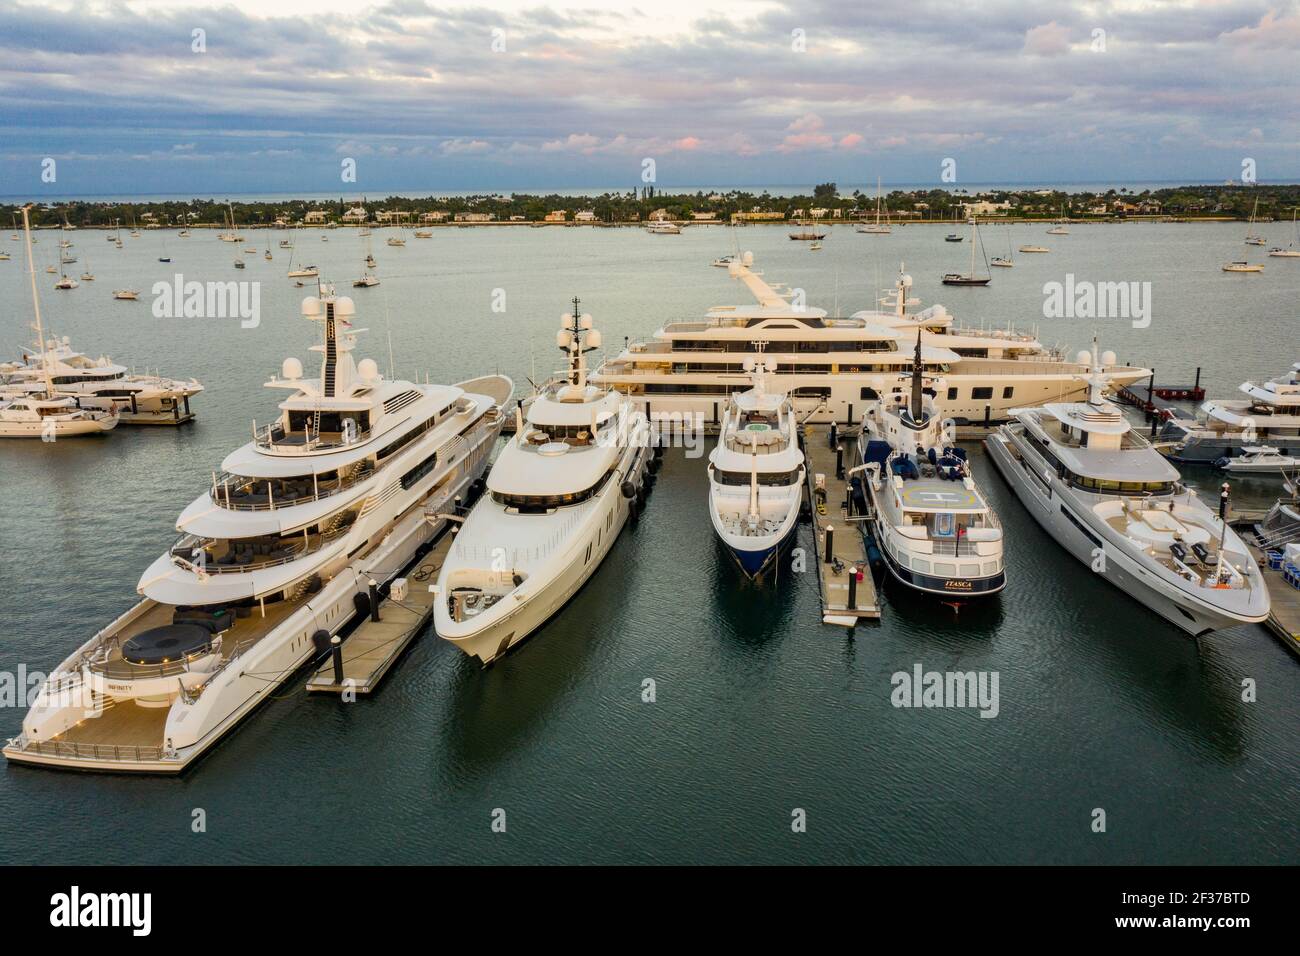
(759, 708)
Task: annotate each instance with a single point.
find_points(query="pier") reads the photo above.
(844, 601)
(1284, 611)
(1157, 398)
(366, 655)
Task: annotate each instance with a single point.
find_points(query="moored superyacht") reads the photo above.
(828, 364)
(1111, 500)
(935, 530)
(274, 558)
(558, 496)
(138, 398)
(756, 474)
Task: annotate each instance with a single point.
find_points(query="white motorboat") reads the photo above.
(756, 474)
(559, 495)
(1260, 460)
(1242, 267)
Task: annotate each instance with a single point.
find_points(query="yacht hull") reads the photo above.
(550, 585)
(1054, 514)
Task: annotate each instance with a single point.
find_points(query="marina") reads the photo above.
(538, 707)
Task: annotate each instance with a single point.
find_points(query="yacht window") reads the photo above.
(983, 392)
(1006, 392)
(766, 479)
(952, 393)
(540, 504)
(920, 565)
(868, 395)
(945, 570)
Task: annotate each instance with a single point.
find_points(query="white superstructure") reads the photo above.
(276, 556)
(558, 496)
(1269, 414)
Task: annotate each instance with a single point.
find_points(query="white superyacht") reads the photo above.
(756, 474)
(1111, 500)
(935, 530)
(558, 496)
(274, 558)
(138, 398)
(828, 364)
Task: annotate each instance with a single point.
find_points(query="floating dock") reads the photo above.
(1155, 399)
(847, 543)
(1284, 612)
(370, 650)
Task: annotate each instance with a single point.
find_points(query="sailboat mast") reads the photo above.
(36, 300)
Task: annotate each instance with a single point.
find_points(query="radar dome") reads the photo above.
(1084, 357)
(1108, 358)
(368, 369)
(594, 339)
(584, 323)
(907, 281)
(291, 369)
(749, 365)
(312, 306)
(563, 338)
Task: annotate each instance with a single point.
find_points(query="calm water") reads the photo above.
(760, 709)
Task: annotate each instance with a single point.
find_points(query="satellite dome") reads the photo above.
(311, 306)
(907, 281)
(1108, 358)
(291, 369)
(368, 369)
(1084, 357)
(594, 339)
(344, 306)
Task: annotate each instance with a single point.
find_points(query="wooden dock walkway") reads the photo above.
(846, 534)
(370, 650)
(1284, 614)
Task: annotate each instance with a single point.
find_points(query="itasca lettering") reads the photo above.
(102, 909)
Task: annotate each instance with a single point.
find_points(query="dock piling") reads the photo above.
(336, 652)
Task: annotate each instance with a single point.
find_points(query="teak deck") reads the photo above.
(847, 542)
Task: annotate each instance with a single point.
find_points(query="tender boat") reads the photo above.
(1034, 249)
(1259, 460)
(559, 494)
(936, 532)
(286, 546)
(663, 228)
(1242, 267)
(1111, 500)
(756, 474)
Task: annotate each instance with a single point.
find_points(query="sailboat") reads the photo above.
(876, 228)
(1004, 262)
(1251, 238)
(87, 276)
(1059, 229)
(1292, 251)
(301, 271)
(233, 234)
(185, 226)
(970, 278)
(367, 279)
(164, 257)
(45, 414)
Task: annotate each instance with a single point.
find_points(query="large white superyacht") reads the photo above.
(934, 528)
(756, 474)
(98, 382)
(558, 496)
(828, 364)
(1268, 415)
(279, 554)
(1111, 500)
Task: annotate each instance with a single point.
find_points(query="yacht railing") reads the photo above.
(275, 438)
(70, 750)
(182, 552)
(225, 484)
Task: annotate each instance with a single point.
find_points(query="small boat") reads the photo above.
(286, 244)
(1256, 241)
(394, 241)
(251, 250)
(87, 276)
(304, 272)
(1034, 249)
(1242, 267)
(267, 257)
(876, 228)
(183, 234)
(423, 234)
(807, 234)
(1058, 231)
(367, 281)
(1257, 460)
(815, 247)
(1251, 238)
(956, 278)
(51, 269)
(324, 238)
(370, 261)
(723, 262)
(126, 295)
(1001, 262)
(164, 258)
(661, 227)
(66, 282)
(4, 257)
(953, 237)
(239, 264)
(1291, 251)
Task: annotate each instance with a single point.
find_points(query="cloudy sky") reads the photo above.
(273, 95)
